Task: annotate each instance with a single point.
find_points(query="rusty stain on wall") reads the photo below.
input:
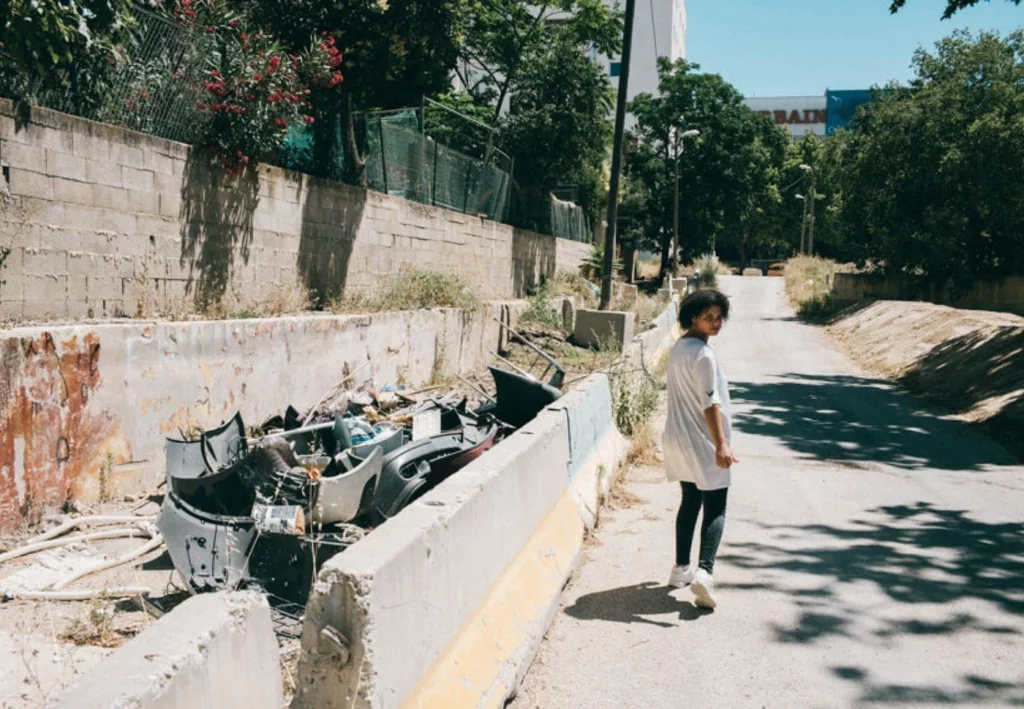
(53, 444)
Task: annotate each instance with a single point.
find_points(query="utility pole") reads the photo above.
(613, 186)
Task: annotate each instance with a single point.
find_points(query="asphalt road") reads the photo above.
(873, 553)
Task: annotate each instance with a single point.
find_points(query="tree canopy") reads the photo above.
(952, 6)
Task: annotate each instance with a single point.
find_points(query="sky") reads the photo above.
(803, 47)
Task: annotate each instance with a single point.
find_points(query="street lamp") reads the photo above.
(678, 147)
(803, 222)
(809, 206)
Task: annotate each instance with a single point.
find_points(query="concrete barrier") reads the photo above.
(402, 595)
(446, 604)
(603, 327)
(85, 408)
(215, 650)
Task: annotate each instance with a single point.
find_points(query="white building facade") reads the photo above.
(659, 30)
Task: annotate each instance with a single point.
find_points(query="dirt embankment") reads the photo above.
(971, 361)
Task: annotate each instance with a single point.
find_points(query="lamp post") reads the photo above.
(677, 147)
(810, 207)
(803, 222)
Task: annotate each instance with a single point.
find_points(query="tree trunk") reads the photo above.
(355, 164)
(743, 249)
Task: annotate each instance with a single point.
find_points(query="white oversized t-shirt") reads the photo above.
(695, 383)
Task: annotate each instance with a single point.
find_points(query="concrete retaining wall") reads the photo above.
(215, 650)
(446, 604)
(106, 222)
(84, 409)
(996, 293)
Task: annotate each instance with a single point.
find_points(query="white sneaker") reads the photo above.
(703, 588)
(681, 576)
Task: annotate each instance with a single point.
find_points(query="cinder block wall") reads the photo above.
(99, 221)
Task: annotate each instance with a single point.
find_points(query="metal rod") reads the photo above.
(510, 364)
(477, 389)
(550, 360)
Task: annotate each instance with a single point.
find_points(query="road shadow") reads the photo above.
(974, 368)
(974, 689)
(913, 554)
(629, 604)
(216, 217)
(855, 421)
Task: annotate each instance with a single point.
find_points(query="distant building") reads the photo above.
(821, 115)
(659, 30)
(798, 114)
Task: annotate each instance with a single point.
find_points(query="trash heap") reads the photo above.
(266, 507)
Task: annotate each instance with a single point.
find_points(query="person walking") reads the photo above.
(696, 440)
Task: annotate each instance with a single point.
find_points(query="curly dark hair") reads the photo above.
(698, 302)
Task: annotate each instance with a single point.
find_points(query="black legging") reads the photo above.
(711, 528)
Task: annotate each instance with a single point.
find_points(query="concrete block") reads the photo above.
(105, 197)
(65, 165)
(43, 211)
(604, 328)
(72, 192)
(157, 163)
(167, 182)
(752, 272)
(214, 650)
(23, 155)
(170, 205)
(45, 138)
(45, 262)
(679, 285)
(103, 173)
(144, 202)
(626, 292)
(137, 179)
(132, 157)
(30, 184)
(94, 148)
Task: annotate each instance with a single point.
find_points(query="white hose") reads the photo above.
(155, 543)
(94, 520)
(82, 595)
(52, 543)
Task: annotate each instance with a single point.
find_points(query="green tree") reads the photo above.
(557, 130)
(931, 175)
(952, 6)
(41, 35)
(725, 176)
(504, 37)
(394, 53)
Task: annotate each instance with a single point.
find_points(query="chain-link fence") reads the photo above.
(151, 85)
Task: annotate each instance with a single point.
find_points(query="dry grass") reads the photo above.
(575, 285)
(96, 628)
(644, 450)
(412, 289)
(807, 284)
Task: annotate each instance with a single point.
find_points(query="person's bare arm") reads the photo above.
(723, 453)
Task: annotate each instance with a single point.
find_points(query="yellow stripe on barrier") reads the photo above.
(475, 669)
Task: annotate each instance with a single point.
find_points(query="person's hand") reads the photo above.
(724, 457)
